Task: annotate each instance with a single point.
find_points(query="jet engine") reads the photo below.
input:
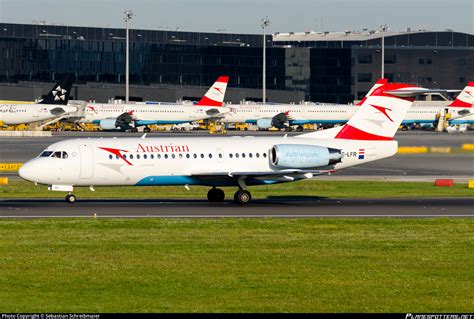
(303, 156)
(108, 124)
(264, 123)
(277, 121)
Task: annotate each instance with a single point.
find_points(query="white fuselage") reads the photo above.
(324, 113)
(12, 114)
(147, 114)
(176, 161)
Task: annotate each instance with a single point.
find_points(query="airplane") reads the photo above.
(52, 106)
(130, 116)
(227, 161)
(278, 115)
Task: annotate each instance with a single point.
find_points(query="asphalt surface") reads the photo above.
(279, 207)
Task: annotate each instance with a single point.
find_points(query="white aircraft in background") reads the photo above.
(226, 161)
(279, 115)
(52, 106)
(130, 116)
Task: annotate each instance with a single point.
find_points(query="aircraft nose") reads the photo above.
(27, 172)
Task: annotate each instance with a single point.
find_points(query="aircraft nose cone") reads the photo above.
(26, 172)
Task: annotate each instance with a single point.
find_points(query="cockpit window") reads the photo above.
(46, 154)
(57, 154)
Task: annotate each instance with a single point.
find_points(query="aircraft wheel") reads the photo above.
(71, 198)
(147, 129)
(215, 195)
(242, 197)
(299, 129)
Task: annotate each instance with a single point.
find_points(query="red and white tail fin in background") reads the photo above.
(465, 98)
(215, 95)
(381, 114)
(377, 84)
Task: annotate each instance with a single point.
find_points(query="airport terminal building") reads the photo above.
(172, 65)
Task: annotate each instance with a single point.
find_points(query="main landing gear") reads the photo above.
(215, 195)
(71, 198)
(242, 196)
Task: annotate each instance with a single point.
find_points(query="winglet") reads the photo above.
(215, 95)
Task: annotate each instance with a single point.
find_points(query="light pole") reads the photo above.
(128, 16)
(384, 28)
(265, 23)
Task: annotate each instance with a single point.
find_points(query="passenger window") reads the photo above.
(110, 156)
(158, 156)
(187, 156)
(210, 155)
(152, 156)
(220, 155)
(202, 155)
(236, 155)
(243, 155)
(166, 155)
(65, 155)
(116, 157)
(194, 155)
(138, 156)
(144, 156)
(265, 155)
(131, 156)
(173, 156)
(180, 155)
(230, 155)
(125, 156)
(250, 155)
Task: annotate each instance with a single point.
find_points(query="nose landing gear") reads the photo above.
(71, 198)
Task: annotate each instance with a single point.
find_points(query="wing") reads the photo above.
(276, 176)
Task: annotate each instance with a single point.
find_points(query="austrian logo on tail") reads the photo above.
(383, 110)
(218, 90)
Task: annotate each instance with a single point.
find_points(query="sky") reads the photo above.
(243, 16)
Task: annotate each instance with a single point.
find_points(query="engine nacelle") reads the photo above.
(108, 124)
(264, 123)
(303, 156)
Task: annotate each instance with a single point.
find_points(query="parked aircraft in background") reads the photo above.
(52, 106)
(130, 116)
(284, 115)
(227, 161)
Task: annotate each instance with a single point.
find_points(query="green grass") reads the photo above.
(237, 265)
(333, 189)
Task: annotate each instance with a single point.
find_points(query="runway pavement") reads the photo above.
(279, 207)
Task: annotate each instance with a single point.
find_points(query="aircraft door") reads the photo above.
(87, 161)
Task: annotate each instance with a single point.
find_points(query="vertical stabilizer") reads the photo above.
(215, 95)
